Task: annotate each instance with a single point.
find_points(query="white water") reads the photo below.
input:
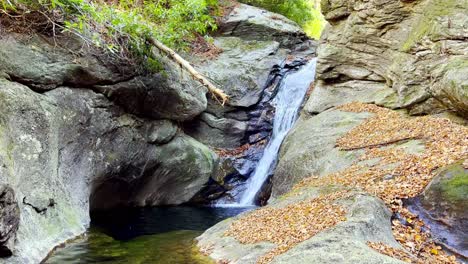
(288, 101)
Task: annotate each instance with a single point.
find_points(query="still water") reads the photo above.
(143, 236)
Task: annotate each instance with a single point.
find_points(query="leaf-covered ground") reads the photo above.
(397, 175)
(288, 226)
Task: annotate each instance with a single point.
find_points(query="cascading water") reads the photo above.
(288, 101)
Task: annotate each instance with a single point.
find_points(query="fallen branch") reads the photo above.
(380, 144)
(218, 93)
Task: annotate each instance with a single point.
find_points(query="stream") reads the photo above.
(287, 102)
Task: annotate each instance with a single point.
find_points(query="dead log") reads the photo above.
(218, 93)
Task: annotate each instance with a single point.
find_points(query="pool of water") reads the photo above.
(143, 236)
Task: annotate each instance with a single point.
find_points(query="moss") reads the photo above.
(455, 187)
(457, 63)
(111, 156)
(199, 148)
(428, 25)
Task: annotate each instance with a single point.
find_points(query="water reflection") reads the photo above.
(145, 236)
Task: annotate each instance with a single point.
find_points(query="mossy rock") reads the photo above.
(452, 184)
(447, 194)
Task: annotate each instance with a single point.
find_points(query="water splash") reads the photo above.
(288, 102)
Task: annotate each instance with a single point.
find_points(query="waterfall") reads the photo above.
(288, 102)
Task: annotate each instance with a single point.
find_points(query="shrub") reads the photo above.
(124, 25)
(300, 11)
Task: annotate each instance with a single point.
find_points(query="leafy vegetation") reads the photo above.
(304, 12)
(122, 26)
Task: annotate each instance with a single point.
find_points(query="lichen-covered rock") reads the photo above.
(70, 150)
(408, 51)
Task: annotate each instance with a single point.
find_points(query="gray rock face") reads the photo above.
(41, 64)
(69, 151)
(170, 94)
(29, 163)
(398, 54)
(160, 131)
(309, 148)
(350, 91)
(243, 67)
(9, 220)
(254, 44)
(258, 49)
(243, 71)
(258, 24)
(221, 132)
(44, 64)
(168, 175)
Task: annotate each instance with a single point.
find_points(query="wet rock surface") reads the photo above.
(258, 50)
(241, 162)
(443, 207)
(309, 148)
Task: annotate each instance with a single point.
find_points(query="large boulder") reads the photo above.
(44, 64)
(367, 219)
(171, 93)
(258, 24)
(399, 54)
(309, 149)
(70, 150)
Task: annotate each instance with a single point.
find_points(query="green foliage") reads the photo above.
(300, 11)
(127, 24)
(296, 10)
